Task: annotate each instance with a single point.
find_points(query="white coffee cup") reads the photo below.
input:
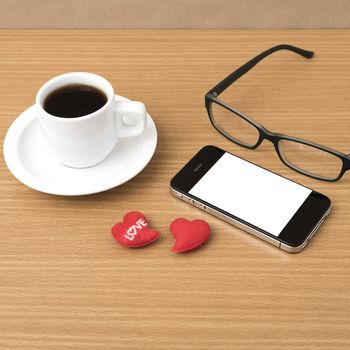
(87, 140)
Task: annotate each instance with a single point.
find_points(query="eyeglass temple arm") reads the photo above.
(224, 84)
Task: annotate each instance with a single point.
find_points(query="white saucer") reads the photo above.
(26, 157)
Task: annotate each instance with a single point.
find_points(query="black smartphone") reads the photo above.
(269, 206)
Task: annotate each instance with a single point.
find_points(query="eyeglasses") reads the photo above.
(305, 157)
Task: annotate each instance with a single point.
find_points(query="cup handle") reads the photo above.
(131, 117)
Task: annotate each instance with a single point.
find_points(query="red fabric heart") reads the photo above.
(134, 231)
(189, 234)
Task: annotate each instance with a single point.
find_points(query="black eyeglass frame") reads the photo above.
(275, 138)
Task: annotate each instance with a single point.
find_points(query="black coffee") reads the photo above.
(73, 101)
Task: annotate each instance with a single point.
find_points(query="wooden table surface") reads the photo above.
(64, 282)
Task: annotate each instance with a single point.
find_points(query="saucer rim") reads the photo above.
(20, 172)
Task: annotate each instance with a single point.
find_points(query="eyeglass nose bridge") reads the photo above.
(347, 162)
(266, 134)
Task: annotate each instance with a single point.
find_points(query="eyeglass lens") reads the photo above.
(234, 126)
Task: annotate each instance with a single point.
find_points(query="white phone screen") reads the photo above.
(253, 194)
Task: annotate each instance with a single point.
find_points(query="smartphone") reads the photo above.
(269, 206)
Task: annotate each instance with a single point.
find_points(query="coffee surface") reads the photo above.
(73, 101)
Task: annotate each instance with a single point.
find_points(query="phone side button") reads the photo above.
(202, 206)
(197, 204)
(187, 199)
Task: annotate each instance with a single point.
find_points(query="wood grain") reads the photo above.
(176, 14)
(65, 284)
